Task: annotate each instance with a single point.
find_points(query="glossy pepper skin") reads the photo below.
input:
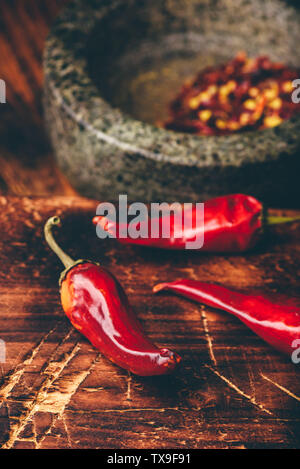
(276, 320)
(232, 223)
(97, 306)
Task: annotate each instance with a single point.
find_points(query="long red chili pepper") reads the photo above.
(276, 320)
(97, 306)
(232, 223)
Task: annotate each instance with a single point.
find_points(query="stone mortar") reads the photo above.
(105, 150)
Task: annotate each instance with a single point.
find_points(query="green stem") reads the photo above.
(65, 259)
(279, 220)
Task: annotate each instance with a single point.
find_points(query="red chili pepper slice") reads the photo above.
(276, 320)
(98, 307)
(232, 223)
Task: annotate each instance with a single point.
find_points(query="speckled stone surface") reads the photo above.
(105, 152)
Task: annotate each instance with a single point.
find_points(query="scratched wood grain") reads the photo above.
(57, 391)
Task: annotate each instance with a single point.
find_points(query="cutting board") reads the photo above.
(58, 391)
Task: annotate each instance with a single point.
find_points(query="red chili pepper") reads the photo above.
(97, 306)
(276, 320)
(232, 223)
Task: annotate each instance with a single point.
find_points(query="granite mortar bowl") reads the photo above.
(112, 65)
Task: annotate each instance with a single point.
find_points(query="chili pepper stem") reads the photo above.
(65, 259)
(279, 220)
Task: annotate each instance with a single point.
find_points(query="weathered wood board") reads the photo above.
(57, 391)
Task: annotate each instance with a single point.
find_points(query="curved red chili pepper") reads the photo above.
(97, 306)
(276, 320)
(232, 223)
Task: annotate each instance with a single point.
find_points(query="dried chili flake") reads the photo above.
(241, 95)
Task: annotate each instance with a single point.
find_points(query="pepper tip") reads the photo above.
(159, 287)
(96, 219)
(101, 221)
(172, 360)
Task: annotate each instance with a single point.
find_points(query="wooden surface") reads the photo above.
(57, 391)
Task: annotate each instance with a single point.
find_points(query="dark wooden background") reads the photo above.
(56, 390)
(26, 162)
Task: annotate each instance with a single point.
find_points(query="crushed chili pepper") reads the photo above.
(241, 95)
(276, 320)
(232, 223)
(98, 307)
